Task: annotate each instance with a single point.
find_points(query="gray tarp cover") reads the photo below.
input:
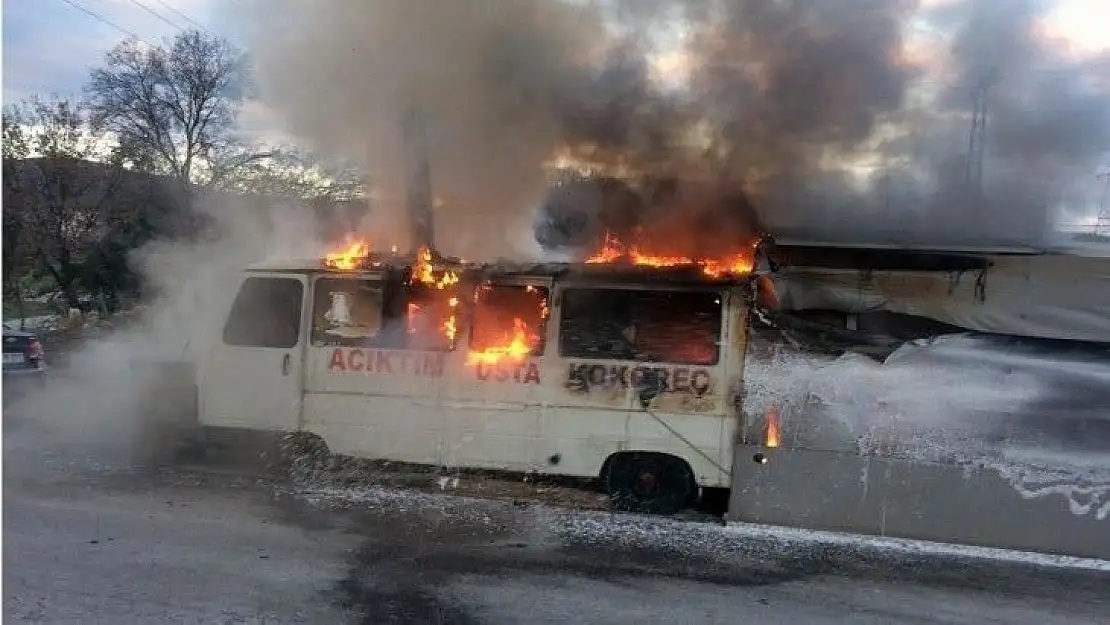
(1043, 296)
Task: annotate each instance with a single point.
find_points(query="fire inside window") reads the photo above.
(509, 320)
(352, 312)
(431, 318)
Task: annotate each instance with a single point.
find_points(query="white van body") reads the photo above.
(564, 409)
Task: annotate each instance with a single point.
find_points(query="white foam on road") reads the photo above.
(913, 547)
(1082, 479)
(686, 537)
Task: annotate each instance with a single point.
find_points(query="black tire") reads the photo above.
(649, 483)
(603, 475)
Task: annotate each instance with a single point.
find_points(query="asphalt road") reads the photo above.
(93, 533)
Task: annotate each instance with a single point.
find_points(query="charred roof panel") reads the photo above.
(876, 259)
(608, 272)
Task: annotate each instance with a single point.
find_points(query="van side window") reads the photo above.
(431, 318)
(509, 315)
(348, 312)
(352, 312)
(679, 327)
(266, 313)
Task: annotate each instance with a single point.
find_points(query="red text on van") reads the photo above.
(386, 362)
(502, 371)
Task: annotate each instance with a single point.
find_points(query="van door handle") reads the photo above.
(285, 362)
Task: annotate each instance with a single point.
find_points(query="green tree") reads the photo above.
(16, 260)
(57, 192)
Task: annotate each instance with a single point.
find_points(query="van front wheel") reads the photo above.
(648, 482)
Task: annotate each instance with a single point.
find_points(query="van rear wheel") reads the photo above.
(648, 483)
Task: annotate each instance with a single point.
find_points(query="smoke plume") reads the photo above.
(127, 399)
(846, 117)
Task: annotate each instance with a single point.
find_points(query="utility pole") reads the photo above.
(1102, 224)
(418, 201)
(978, 136)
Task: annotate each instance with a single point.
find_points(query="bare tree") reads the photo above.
(292, 174)
(172, 108)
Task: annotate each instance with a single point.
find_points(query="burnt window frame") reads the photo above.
(540, 348)
(630, 292)
(394, 329)
(232, 325)
(403, 295)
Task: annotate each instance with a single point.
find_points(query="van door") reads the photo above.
(252, 376)
(494, 395)
(644, 372)
(374, 359)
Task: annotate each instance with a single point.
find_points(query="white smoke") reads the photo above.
(126, 397)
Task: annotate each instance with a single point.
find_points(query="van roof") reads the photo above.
(607, 271)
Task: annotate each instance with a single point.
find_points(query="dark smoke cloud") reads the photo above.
(487, 75)
(779, 99)
(789, 86)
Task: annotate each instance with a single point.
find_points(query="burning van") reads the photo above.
(625, 371)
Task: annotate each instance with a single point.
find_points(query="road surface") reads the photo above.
(93, 535)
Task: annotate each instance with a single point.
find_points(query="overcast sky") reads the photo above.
(49, 45)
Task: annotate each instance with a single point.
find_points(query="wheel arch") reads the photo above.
(631, 454)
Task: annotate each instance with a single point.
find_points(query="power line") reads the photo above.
(158, 15)
(184, 17)
(109, 22)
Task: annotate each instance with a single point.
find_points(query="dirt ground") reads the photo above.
(239, 457)
(579, 494)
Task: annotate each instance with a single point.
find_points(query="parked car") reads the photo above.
(23, 353)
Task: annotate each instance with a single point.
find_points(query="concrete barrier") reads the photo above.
(832, 490)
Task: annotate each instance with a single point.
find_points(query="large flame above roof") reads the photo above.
(350, 257)
(614, 251)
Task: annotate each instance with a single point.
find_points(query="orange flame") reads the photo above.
(517, 348)
(613, 250)
(423, 271)
(772, 435)
(450, 325)
(736, 264)
(348, 258)
(545, 310)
